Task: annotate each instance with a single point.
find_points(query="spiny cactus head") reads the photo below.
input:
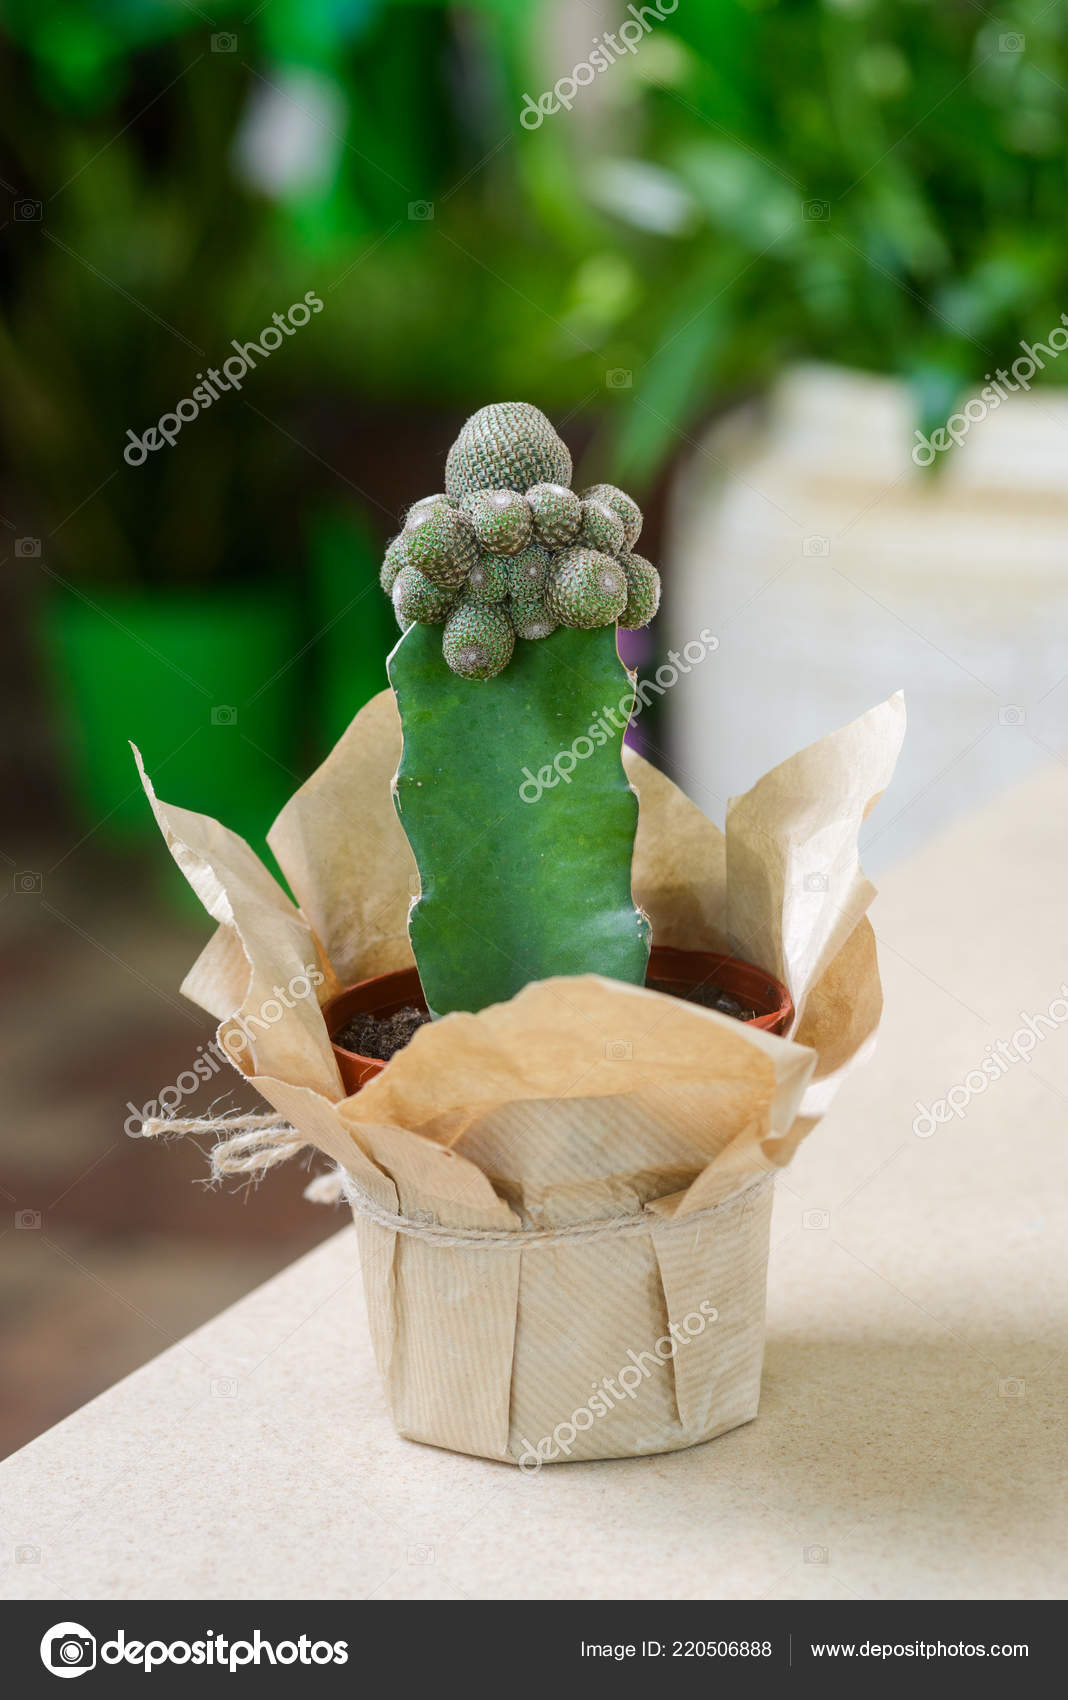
(440, 542)
(501, 520)
(623, 505)
(511, 551)
(487, 582)
(528, 571)
(395, 557)
(557, 514)
(601, 528)
(416, 598)
(530, 615)
(478, 641)
(643, 592)
(509, 445)
(586, 589)
(425, 502)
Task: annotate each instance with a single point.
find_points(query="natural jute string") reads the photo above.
(258, 1143)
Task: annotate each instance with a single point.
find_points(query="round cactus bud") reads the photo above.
(395, 558)
(623, 505)
(586, 588)
(501, 521)
(509, 445)
(488, 580)
(426, 502)
(528, 571)
(530, 615)
(478, 641)
(440, 542)
(601, 528)
(417, 598)
(557, 514)
(643, 592)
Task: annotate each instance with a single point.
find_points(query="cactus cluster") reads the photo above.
(509, 550)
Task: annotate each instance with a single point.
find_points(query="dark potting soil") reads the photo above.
(709, 997)
(382, 1036)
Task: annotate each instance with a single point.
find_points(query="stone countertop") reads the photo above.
(909, 1442)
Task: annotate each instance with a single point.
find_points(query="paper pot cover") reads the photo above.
(562, 1201)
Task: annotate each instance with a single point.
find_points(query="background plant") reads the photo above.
(759, 182)
(878, 184)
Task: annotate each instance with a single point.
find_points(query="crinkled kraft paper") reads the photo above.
(581, 1100)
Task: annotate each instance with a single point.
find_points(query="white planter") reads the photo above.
(834, 571)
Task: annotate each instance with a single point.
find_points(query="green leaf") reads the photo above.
(518, 886)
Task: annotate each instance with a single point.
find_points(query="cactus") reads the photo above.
(587, 589)
(511, 789)
(506, 446)
(643, 592)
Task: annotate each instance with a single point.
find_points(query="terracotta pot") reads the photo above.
(387, 993)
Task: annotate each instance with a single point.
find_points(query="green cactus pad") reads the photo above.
(501, 520)
(623, 505)
(416, 598)
(557, 514)
(601, 528)
(478, 641)
(509, 445)
(440, 542)
(500, 905)
(586, 589)
(643, 592)
(395, 558)
(487, 582)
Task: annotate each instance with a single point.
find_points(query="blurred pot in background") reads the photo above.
(879, 572)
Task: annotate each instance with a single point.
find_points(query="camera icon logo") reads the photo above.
(224, 714)
(27, 883)
(818, 211)
(28, 1220)
(618, 378)
(618, 1050)
(224, 42)
(420, 1555)
(820, 1219)
(68, 1649)
(27, 1555)
(421, 211)
(1012, 43)
(1011, 1388)
(816, 546)
(1012, 714)
(815, 882)
(816, 1555)
(224, 1387)
(27, 548)
(27, 212)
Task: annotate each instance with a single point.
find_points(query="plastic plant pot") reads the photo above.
(387, 993)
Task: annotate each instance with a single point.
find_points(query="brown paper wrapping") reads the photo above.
(642, 1131)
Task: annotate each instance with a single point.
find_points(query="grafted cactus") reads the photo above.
(508, 589)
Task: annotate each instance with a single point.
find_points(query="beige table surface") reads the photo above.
(909, 1441)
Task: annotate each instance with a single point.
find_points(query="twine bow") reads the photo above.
(253, 1144)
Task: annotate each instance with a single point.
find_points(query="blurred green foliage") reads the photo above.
(875, 182)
